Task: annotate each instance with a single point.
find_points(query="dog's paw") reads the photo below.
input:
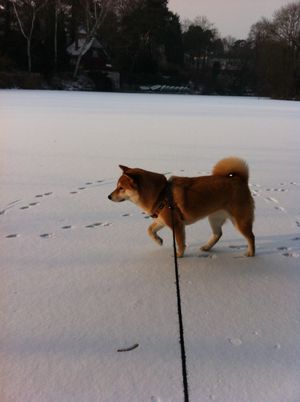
(159, 240)
(205, 248)
(180, 253)
(249, 254)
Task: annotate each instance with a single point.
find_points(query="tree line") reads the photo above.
(147, 44)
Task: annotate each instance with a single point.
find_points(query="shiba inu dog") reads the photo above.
(223, 195)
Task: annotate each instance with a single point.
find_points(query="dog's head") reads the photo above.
(139, 186)
(127, 186)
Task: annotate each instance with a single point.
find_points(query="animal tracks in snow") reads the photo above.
(238, 247)
(41, 199)
(267, 194)
(291, 254)
(97, 224)
(272, 199)
(50, 235)
(9, 206)
(282, 190)
(31, 204)
(12, 236)
(235, 341)
(287, 252)
(46, 235)
(280, 209)
(43, 195)
(209, 256)
(276, 204)
(69, 227)
(258, 191)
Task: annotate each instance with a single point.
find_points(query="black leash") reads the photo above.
(181, 330)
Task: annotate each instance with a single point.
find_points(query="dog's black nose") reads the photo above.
(109, 197)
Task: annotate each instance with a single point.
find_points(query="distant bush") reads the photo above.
(6, 63)
(21, 80)
(66, 82)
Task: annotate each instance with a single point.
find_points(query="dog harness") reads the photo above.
(165, 198)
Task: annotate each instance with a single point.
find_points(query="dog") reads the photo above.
(223, 195)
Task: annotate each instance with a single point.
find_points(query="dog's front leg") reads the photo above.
(152, 231)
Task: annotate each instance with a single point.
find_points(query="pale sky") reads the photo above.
(230, 17)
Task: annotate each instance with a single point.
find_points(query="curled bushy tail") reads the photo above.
(232, 166)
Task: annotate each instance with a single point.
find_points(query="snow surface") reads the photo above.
(80, 278)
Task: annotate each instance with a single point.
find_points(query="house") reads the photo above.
(95, 59)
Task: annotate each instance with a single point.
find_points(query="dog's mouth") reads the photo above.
(111, 199)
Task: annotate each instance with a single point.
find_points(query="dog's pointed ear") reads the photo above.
(132, 175)
(124, 168)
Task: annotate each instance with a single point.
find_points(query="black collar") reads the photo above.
(161, 201)
(164, 199)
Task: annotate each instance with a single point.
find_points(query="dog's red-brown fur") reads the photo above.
(223, 195)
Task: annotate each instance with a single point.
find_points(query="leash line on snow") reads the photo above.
(179, 310)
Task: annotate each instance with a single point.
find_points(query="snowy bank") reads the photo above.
(81, 279)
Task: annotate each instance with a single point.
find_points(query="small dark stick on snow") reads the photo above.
(129, 349)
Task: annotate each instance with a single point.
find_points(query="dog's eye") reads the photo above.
(121, 188)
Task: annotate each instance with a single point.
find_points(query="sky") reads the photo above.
(230, 17)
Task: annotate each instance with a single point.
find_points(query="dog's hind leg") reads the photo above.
(216, 221)
(245, 227)
(152, 231)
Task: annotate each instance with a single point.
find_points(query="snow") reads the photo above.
(80, 278)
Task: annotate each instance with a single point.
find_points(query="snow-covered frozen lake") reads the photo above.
(80, 278)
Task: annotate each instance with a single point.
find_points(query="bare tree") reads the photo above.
(95, 12)
(285, 27)
(261, 31)
(200, 21)
(228, 43)
(287, 24)
(277, 44)
(26, 13)
(6, 14)
(123, 7)
(57, 10)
